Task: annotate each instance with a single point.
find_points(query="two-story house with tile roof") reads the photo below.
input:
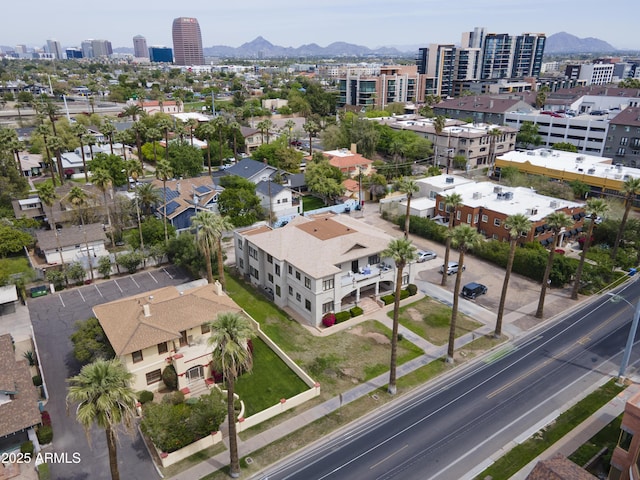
(166, 326)
(318, 264)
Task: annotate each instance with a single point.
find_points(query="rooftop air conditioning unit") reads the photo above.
(508, 195)
(477, 195)
(591, 171)
(497, 189)
(553, 204)
(533, 211)
(449, 180)
(580, 158)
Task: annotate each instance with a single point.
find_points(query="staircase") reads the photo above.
(198, 388)
(368, 305)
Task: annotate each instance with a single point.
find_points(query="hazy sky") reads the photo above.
(292, 23)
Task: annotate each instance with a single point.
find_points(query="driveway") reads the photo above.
(53, 318)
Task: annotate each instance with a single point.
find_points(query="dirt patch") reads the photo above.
(379, 338)
(414, 314)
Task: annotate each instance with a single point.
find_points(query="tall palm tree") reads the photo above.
(90, 141)
(101, 178)
(289, 125)
(104, 396)
(47, 195)
(165, 125)
(516, 224)
(219, 124)
(397, 149)
(78, 199)
(596, 208)
(123, 137)
(234, 127)
(164, 172)
(43, 131)
(494, 133)
(48, 108)
(402, 252)
(140, 130)
(80, 131)
(108, 130)
(55, 144)
(148, 196)
(205, 238)
(207, 132)
(452, 202)
(134, 171)
(153, 135)
(556, 221)
(263, 126)
(630, 188)
(192, 124)
(408, 186)
(439, 123)
(134, 111)
(464, 238)
(311, 128)
(230, 335)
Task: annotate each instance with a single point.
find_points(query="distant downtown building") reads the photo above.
(187, 41)
(53, 47)
(140, 49)
(161, 54)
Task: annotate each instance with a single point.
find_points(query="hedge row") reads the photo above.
(330, 319)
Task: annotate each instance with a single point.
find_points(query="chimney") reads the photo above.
(147, 310)
(354, 148)
(178, 187)
(491, 104)
(218, 286)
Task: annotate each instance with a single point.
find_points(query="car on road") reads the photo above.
(473, 289)
(424, 255)
(452, 268)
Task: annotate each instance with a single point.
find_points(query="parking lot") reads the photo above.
(53, 318)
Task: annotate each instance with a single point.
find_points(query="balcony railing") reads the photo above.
(364, 274)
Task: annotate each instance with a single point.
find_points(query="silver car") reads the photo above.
(451, 268)
(424, 255)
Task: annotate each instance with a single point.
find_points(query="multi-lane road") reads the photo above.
(452, 429)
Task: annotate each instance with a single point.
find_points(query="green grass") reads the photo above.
(430, 320)
(16, 266)
(270, 380)
(524, 453)
(309, 202)
(607, 437)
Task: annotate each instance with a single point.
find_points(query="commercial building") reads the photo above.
(187, 41)
(140, 49)
(54, 47)
(161, 54)
(393, 84)
(73, 52)
(591, 73)
(317, 265)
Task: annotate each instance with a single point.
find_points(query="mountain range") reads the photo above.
(564, 42)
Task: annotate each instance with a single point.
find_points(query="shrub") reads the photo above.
(46, 418)
(343, 316)
(170, 377)
(175, 398)
(404, 294)
(329, 320)
(37, 380)
(412, 289)
(45, 434)
(387, 299)
(43, 472)
(27, 447)
(90, 343)
(355, 311)
(145, 396)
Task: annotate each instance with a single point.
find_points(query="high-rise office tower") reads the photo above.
(101, 48)
(160, 54)
(140, 49)
(54, 48)
(187, 42)
(87, 48)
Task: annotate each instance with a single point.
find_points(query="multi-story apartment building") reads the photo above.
(393, 84)
(486, 206)
(623, 137)
(591, 73)
(316, 265)
(481, 108)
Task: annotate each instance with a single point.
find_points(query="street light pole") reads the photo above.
(630, 339)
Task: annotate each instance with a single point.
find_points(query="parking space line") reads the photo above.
(98, 290)
(116, 282)
(134, 281)
(61, 301)
(82, 296)
(154, 278)
(165, 271)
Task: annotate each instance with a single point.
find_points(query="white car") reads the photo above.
(424, 255)
(452, 268)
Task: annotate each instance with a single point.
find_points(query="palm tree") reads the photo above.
(494, 133)
(207, 132)
(123, 137)
(209, 228)
(452, 202)
(464, 237)
(78, 199)
(134, 111)
(153, 135)
(402, 252)
(516, 224)
(109, 130)
(234, 127)
(55, 144)
(148, 197)
(43, 131)
(47, 195)
(164, 172)
(165, 125)
(556, 221)
(140, 130)
(408, 186)
(101, 178)
(596, 208)
(47, 108)
(219, 125)
(192, 123)
(134, 171)
(397, 149)
(230, 335)
(311, 128)
(289, 125)
(630, 188)
(105, 397)
(439, 123)
(90, 141)
(263, 126)
(80, 131)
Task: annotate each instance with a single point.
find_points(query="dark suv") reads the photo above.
(473, 289)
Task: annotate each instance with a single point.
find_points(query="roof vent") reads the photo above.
(147, 310)
(449, 180)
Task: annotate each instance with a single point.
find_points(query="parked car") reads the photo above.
(452, 268)
(424, 255)
(473, 289)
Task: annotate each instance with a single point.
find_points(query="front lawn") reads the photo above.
(309, 202)
(270, 380)
(430, 320)
(18, 265)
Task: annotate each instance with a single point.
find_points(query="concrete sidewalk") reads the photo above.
(555, 304)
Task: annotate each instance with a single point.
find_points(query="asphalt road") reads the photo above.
(53, 318)
(451, 429)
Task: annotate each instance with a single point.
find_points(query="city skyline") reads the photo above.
(371, 23)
